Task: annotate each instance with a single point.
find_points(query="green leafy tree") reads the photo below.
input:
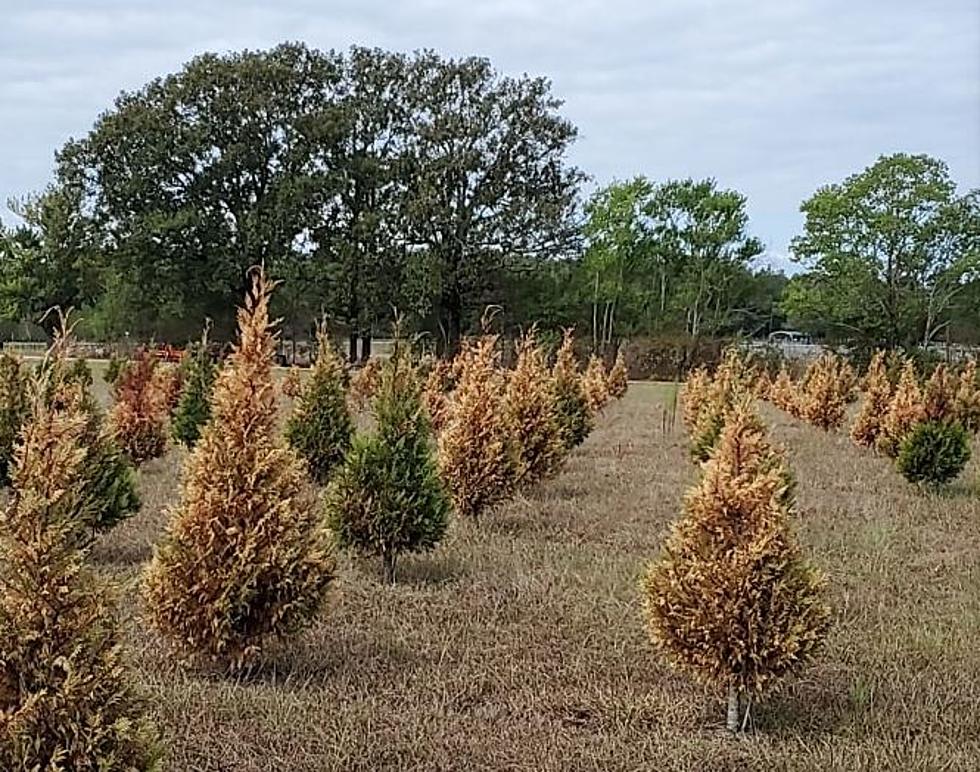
(388, 497)
(488, 183)
(888, 252)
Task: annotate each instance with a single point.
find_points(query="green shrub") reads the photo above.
(194, 407)
(388, 497)
(571, 404)
(320, 428)
(13, 410)
(934, 452)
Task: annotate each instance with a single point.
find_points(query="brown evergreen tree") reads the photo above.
(731, 600)
(939, 395)
(783, 393)
(905, 411)
(694, 394)
(476, 453)
(825, 392)
(618, 376)
(246, 559)
(595, 383)
(530, 413)
(574, 416)
(877, 397)
(966, 403)
(65, 699)
(138, 419)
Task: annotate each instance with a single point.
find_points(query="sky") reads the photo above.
(773, 98)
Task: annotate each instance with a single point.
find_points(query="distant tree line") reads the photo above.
(369, 180)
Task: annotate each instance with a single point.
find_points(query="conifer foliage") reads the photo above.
(877, 396)
(13, 409)
(65, 700)
(246, 559)
(618, 377)
(139, 416)
(966, 402)
(476, 458)
(783, 393)
(530, 413)
(193, 409)
(320, 427)
(595, 383)
(732, 600)
(826, 390)
(571, 401)
(388, 498)
(905, 411)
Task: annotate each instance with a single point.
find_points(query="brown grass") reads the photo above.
(520, 644)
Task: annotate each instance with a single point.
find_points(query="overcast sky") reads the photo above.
(771, 97)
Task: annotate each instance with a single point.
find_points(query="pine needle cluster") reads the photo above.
(877, 397)
(732, 601)
(13, 409)
(476, 454)
(138, 418)
(388, 497)
(320, 428)
(246, 559)
(65, 697)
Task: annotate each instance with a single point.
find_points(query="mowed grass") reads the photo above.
(520, 644)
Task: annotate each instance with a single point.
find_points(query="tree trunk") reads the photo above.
(352, 346)
(595, 313)
(453, 309)
(732, 721)
(365, 346)
(388, 558)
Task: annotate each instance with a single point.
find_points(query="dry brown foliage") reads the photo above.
(292, 383)
(65, 698)
(905, 410)
(825, 392)
(596, 385)
(476, 453)
(364, 384)
(530, 413)
(138, 419)
(574, 416)
(246, 559)
(731, 600)
(618, 376)
(783, 393)
(939, 395)
(168, 379)
(762, 384)
(877, 397)
(694, 394)
(966, 403)
(439, 384)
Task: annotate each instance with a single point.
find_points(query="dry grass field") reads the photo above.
(520, 644)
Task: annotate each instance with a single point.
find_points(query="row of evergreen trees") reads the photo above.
(247, 559)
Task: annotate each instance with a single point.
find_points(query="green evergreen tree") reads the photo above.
(320, 428)
(194, 407)
(388, 497)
